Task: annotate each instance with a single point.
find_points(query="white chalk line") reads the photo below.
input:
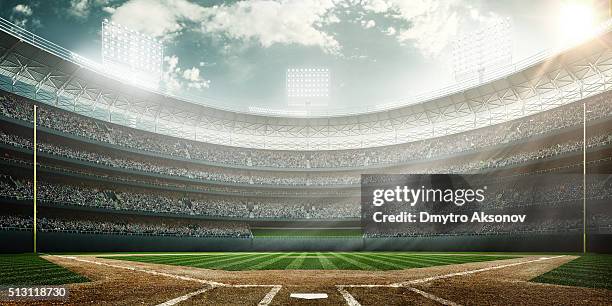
(428, 279)
(211, 283)
(183, 298)
(268, 298)
(264, 302)
(434, 297)
(351, 300)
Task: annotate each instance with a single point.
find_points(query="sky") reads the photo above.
(235, 53)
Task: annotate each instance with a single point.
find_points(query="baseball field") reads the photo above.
(345, 278)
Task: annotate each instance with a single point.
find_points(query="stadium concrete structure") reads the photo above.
(125, 168)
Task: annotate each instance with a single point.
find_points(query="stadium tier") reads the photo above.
(107, 167)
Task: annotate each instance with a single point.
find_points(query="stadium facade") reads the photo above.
(122, 165)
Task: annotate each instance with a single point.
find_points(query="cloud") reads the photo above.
(194, 80)
(23, 9)
(377, 6)
(80, 8)
(175, 78)
(432, 30)
(368, 24)
(390, 31)
(109, 9)
(275, 22)
(156, 17)
(430, 23)
(20, 16)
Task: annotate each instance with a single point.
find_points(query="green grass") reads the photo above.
(306, 232)
(594, 271)
(32, 270)
(311, 260)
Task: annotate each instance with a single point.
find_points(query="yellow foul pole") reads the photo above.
(584, 217)
(35, 166)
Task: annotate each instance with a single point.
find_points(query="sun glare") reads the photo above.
(576, 21)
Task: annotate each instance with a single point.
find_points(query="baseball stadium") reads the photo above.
(117, 190)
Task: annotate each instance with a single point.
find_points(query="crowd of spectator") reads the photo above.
(596, 224)
(128, 226)
(231, 207)
(514, 192)
(569, 115)
(291, 179)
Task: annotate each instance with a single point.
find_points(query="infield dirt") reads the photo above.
(504, 286)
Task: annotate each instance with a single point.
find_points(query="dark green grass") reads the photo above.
(31, 270)
(593, 271)
(306, 232)
(311, 260)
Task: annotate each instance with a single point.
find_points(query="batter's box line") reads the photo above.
(351, 301)
(264, 302)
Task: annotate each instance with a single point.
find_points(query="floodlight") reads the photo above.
(131, 55)
(482, 50)
(307, 86)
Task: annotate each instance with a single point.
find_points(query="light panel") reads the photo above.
(131, 55)
(484, 50)
(308, 86)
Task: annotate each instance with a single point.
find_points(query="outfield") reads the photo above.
(593, 271)
(31, 270)
(312, 260)
(349, 278)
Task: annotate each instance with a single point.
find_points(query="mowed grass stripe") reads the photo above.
(248, 264)
(189, 260)
(32, 270)
(50, 276)
(326, 263)
(238, 265)
(419, 261)
(193, 260)
(197, 261)
(282, 264)
(361, 265)
(311, 264)
(297, 262)
(378, 263)
(594, 271)
(39, 270)
(424, 260)
(404, 262)
(262, 265)
(212, 263)
(429, 261)
(311, 260)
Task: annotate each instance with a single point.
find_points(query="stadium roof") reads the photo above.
(33, 67)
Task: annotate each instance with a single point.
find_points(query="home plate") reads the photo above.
(309, 296)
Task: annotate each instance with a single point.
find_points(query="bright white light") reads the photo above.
(576, 21)
(130, 55)
(483, 50)
(307, 82)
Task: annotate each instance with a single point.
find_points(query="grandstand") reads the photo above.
(126, 169)
(99, 153)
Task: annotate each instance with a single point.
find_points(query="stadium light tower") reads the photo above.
(131, 55)
(477, 52)
(308, 86)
